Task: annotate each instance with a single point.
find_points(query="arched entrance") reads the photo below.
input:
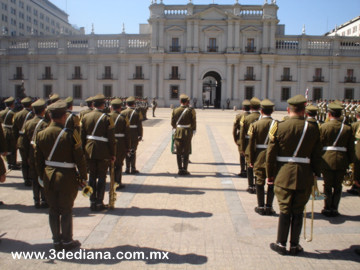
(212, 89)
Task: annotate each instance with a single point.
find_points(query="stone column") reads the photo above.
(230, 34)
(196, 35)
(271, 82)
(161, 82)
(188, 89)
(161, 34)
(153, 80)
(196, 92)
(263, 80)
(272, 36)
(188, 36)
(228, 82)
(265, 37)
(237, 36)
(236, 84)
(334, 88)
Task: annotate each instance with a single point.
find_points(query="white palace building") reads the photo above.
(214, 52)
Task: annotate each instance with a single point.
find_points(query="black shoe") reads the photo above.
(1, 203)
(251, 190)
(28, 183)
(101, 207)
(37, 205)
(181, 172)
(295, 250)
(334, 213)
(134, 171)
(279, 248)
(269, 211)
(353, 191)
(326, 212)
(186, 172)
(243, 174)
(93, 207)
(127, 171)
(357, 251)
(44, 205)
(260, 210)
(71, 245)
(14, 167)
(120, 186)
(58, 246)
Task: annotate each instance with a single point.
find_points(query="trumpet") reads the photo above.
(348, 178)
(86, 189)
(315, 196)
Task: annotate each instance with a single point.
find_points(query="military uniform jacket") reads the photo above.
(245, 124)
(284, 140)
(72, 121)
(258, 142)
(6, 117)
(121, 133)
(68, 150)
(83, 112)
(187, 124)
(103, 146)
(29, 136)
(135, 125)
(19, 122)
(2, 150)
(336, 160)
(237, 126)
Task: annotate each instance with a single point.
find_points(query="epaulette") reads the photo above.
(242, 120)
(112, 124)
(77, 138)
(251, 130)
(273, 130)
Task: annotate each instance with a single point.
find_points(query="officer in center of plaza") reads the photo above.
(58, 153)
(258, 143)
(293, 157)
(98, 139)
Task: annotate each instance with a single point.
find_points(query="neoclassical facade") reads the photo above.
(210, 52)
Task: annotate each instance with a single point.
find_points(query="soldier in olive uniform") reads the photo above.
(136, 133)
(6, 117)
(236, 134)
(311, 114)
(245, 122)
(154, 106)
(2, 165)
(338, 151)
(58, 153)
(32, 127)
(293, 156)
(258, 143)
(20, 120)
(356, 133)
(72, 120)
(89, 102)
(183, 121)
(53, 98)
(98, 139)
(122, 139)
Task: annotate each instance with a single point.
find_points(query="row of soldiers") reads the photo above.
(349, 109)
(58, 149)
(289, 154)
(141, 104)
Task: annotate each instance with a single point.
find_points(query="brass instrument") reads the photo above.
(86, 189)
(348, 178)
(315, 195)
(113, 186)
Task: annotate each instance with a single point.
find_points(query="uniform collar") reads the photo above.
(54, 124)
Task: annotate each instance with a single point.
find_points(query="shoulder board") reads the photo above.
(251, 130)
(273, 130)
(77, 138)
(242, 120)
(112, 124)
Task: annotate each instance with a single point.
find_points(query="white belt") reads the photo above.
(119, 135)
(60, 164)
(355, 142)
(133, 126)
(97, 138)
(21, 132)
(294, 159)
(183, 126)
(7, 126)
(247, 137)
(335, 148)
(261, 146)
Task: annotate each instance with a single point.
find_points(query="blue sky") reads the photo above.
(319, 16)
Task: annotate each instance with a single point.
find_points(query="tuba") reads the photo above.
(113, 186)
(348, 178)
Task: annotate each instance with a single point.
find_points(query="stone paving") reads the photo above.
(204, 221)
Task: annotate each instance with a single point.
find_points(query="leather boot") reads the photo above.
(92, 183)
(118, 177)
(296, 226)
(269, 201)
(186, 163)
(36, 192)
(242, 166)
(260, 193)
(179, 163)
(282, 234)
(335, 201)
(133, 164)
(127, 161)
(328, 201)
(54, 221)
(67, 227)
(100, 191)
(250, 176)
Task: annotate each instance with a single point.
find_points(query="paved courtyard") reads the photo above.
(204, 221)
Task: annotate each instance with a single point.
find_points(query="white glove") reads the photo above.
(173, 131)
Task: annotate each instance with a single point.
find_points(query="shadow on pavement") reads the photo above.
(28, 209)
(337, 220)
(334, 254)
(106, 256)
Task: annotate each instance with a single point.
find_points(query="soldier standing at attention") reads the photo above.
(20, 120)
(245, 122)
(338, 151)
(311, 114)
(258, 143)
(72, 120)
(356, 133)
(89, 102)
(183, 121)
(122, 139)
(32, 127)
(58, 153)
(292, 158)
(98, 139)
(6, 117)
(236, 134)
(2, 165)
(136, 133)
(153, 105)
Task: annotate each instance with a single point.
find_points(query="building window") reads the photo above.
(349, 93)
(250, 45)
(107, 90)
(249, 76)
(175, 45)
(47, 91)
(249, 92)
(19, 74)
(4, 6)
(174, 73)
(349, 78)
(28, 8)
(285, 93)
(77, 91)
(174, 92)
(19, 91)
(77, 73)
(212, 45)
(138, 90)
(317, 93)
(107, 75)
(13, 11)
(286, 75)
(138, 73)
(47, 75)
(318, 75)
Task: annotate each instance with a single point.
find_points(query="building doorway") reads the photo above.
(211, 94)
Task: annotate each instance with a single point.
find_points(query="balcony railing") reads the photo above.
(47, 77)
(350, 79)
(250, 49)
(77, 77)
(286, 78)
(318, 78)
(138, 76)
(174, 76)
(18, 76)
(249, 77)
(107, 76)
(212, 48)
(175, 48)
